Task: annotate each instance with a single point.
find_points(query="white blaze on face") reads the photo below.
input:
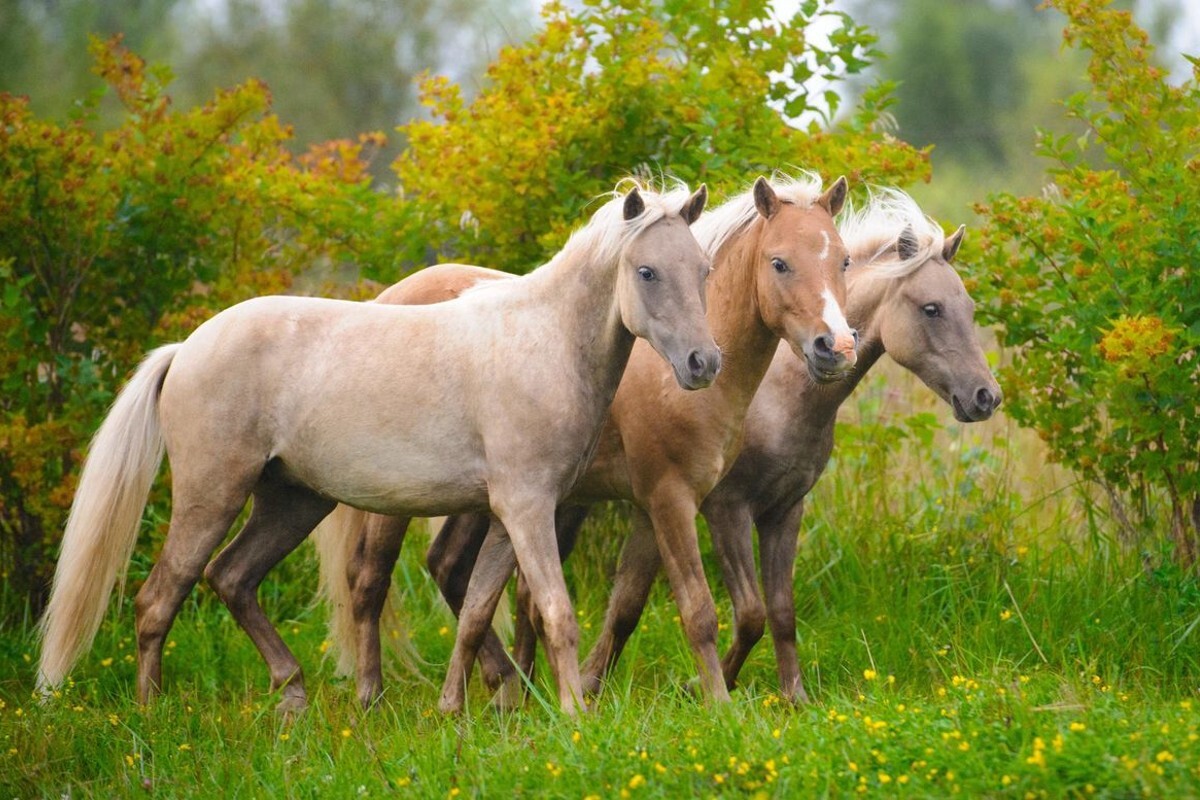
(843, 337)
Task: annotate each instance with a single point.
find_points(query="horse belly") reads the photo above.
(399, 479)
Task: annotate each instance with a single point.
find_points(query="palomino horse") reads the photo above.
(493, 401)
(906, 300)
(778, 264)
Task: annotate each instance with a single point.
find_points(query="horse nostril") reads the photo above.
(823, 346)
(985, 399)
(699, 365)
(854, 333)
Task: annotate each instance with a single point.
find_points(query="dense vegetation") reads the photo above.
(973, 620)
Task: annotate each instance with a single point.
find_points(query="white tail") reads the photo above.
(336, 539)
(103, 524)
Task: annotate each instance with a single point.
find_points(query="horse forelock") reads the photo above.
(872, 231)
(716, 228)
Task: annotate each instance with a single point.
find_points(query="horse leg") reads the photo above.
(778, 535)
(451, 560)
(370, 576)
(200, 518)
(528, 516)
(282, 516)
(493, 568)
(636, 570)
(674, 516)
(568, 520)
(732, 539)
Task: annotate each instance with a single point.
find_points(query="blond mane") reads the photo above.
(602, 238)
(718, 226)
(608, 232)
(872, 231)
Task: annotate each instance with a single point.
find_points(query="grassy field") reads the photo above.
(969, 624)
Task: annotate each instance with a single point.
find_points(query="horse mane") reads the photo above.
(602, 238)
(607, 233)
(871, 231)
(715, 228)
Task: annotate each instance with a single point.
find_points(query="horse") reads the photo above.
(491, 402)
(778, 266)
(906, 300)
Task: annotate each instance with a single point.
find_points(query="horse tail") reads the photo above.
(337, 539)
(103, 524)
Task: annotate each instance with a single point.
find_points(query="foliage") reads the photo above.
(367, 86)
(112, 241)
(699, 91)
(1093, 284)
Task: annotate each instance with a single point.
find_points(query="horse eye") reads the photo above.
(846, 264)
(646, 273)
(779, 264)
(931, 310)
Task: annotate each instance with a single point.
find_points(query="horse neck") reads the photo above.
(735, 319)
(583, 296)
(865, 296)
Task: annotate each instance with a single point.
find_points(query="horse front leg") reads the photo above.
(531, 527)
(778, 536)
(733, 544)
(568, 521)
(492, 570)
(451, 561)
(674, 518)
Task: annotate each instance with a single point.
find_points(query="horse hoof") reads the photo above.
(591, 685)
(368, 700)
(798, 697)
(510, 696)
(451, 707)
(291, 705)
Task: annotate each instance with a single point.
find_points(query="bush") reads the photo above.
(113, 241)
(699, 91)
(1093, 284)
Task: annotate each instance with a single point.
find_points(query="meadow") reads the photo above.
(970, 623)
(976, 616)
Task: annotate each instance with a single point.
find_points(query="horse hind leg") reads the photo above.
(282, 516)
(370, 577)
(200, 518)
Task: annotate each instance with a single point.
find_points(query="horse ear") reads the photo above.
(950, 248)
(634, 204)
(765, 199)
(835, 197)
(695, 205)
(906, 245)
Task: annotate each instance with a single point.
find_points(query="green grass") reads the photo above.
(968, 625)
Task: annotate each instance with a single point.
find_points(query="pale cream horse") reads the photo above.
(493, 401)
(778, 274)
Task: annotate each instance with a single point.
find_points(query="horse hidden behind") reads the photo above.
(490, 402)
(778, 263)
